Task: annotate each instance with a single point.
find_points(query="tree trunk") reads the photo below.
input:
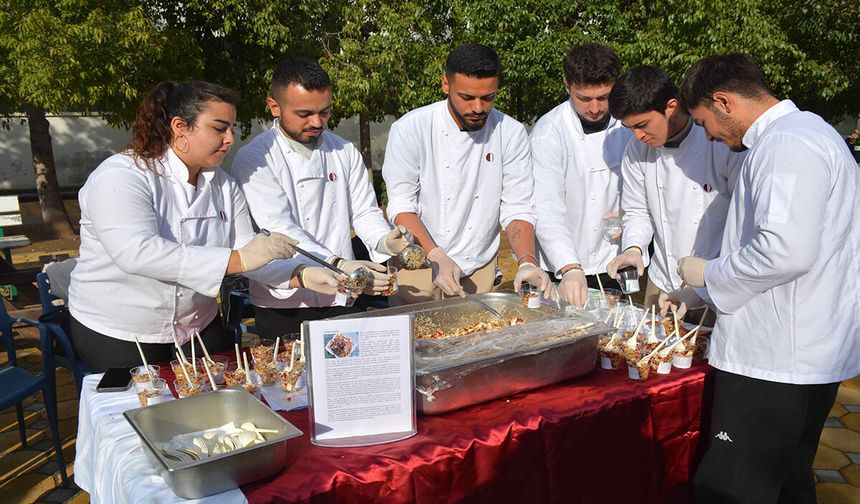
(50, 198)
(364, 135)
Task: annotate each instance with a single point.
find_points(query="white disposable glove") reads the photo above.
(630, 257)
(573, 288)
(396, 240)
(692, 270)
(264, 248)
(378, 281)
(446, 273)
(322, 280)
(528, 272)
(680, 300)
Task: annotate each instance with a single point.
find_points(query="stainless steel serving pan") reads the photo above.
(159, 423)
(453, 372)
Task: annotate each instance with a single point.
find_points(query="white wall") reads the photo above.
(81, 143)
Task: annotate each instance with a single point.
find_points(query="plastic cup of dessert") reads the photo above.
(184, 389)
(682, 361)
(141, 378)
(153, 393)
(392, 282)
(218, 368)
(628, 279)
(531, 295)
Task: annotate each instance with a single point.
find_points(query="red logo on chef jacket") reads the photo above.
(489, 157)
(707, 187)
(332, 177)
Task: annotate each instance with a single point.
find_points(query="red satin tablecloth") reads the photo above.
(601, 438)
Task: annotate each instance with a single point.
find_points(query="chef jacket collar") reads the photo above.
(178, 172)
(451, 124)
(573, 118)
(758, 127)
(676, 141)
(304, 169)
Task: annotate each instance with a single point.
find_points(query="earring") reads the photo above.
(184, 149)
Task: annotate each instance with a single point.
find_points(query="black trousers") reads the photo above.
(270, 323)
(763, 438)
(100, 352)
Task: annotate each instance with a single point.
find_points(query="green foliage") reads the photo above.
(78, 55)
(386, 56)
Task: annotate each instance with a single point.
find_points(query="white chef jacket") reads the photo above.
(154, 249)
(313, 200)
(578, 182)
(462, 184)
(786, 283)
(679, 196)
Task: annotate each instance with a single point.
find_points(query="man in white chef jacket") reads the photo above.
(676, 184)
(302, 179)
(576, 160)
(785, 337)
(454, 171)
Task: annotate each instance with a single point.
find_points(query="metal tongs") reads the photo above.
(473, 298)
(357, 279)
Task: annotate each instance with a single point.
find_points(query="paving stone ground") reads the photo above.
(30, 475)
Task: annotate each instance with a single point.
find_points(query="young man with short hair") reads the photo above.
(784, 337)
(576, 159)
(300, 178)
(454, 171)
(676, 184)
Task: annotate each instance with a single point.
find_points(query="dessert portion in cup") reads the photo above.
(152, 392)
(530, 295)
(392, 282)
(263, 353)
(192, 369)
(184, 389)
(234, 376)
(290, 377)
(267, 372)
(284, 356)
(141, 377)
(217, 366)
(610, 348)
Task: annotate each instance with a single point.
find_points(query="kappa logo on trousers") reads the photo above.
(722, 436)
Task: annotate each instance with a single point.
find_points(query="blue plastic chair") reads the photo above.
(17, 384)
(56, 319)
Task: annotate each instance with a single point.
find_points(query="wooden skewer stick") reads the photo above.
(238, 356)
(653, 322)
(143, 358)
(182, 357)
(211, 378)
(701, 321)
(187, 377)
(193, 356)
(302, 349)
(275, 355)
(600, 284)
(247, 371)
(656, 348)
(205, 351)
(289, 366)
(636, 332)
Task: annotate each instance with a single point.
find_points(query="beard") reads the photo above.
(308, 137)
(465, 123)
(734, 140)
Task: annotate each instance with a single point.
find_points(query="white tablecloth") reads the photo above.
(110, 464)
